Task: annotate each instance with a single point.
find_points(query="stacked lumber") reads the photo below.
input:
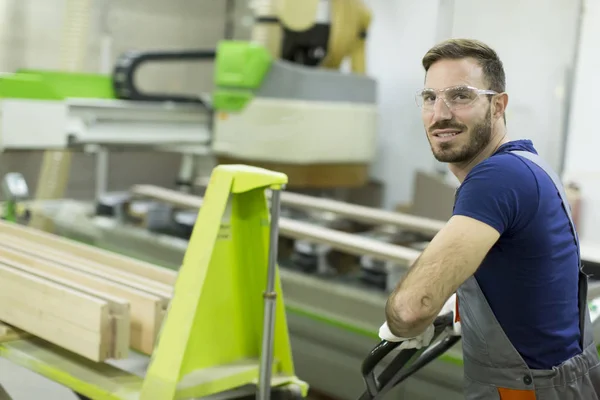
(99, 304)
(92, 302)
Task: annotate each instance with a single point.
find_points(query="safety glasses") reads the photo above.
(455, 97)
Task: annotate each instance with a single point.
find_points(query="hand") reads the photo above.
(451, 307)
(417, 342)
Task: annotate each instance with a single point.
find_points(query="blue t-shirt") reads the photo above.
(530, 276)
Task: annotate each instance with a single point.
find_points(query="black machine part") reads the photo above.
(128, 63)
(406, 363)
(308, 47)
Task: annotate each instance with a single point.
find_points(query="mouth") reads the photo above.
(445, 135)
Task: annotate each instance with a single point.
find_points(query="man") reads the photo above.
(510, 250)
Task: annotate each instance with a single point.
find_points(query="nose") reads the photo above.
(441, 111)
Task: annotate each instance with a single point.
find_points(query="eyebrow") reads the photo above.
(452, 87)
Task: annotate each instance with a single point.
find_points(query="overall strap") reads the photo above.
(539, 161)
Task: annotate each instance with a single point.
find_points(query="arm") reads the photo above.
(452, 257)
(498, 195)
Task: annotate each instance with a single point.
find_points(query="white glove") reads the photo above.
(450, 306)
(416, 342)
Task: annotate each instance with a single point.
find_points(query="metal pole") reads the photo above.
(187, 172)
(270, 301)
(229, 19)
(102, 164)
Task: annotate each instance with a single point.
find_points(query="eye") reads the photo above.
(461, 95)
(428, 97)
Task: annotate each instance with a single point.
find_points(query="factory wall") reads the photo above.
(582, 166)
(537, 50)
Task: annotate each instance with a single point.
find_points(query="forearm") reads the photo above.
(408, 314)
(419, 296)
(451, 257)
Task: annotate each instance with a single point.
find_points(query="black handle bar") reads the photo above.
(395, 372)
(128, 63)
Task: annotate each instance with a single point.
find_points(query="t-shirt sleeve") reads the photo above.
(501, 192)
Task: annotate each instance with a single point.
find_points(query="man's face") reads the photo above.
(458, 135)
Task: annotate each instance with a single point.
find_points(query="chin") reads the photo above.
(448, 156)
(444, 158)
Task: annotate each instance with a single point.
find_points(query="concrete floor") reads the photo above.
(22, 384)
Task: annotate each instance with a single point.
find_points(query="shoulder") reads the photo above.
(504, 172)
(505, 166)
(502, 191)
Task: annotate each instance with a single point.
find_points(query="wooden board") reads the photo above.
(91, 253)
(52, 182)
(354, 212)
(358, 213)
(49, 253)
(348, 242)
(338, 240)
(146, 310)
(8, 333)
(118, 331)
(178, 199)
(71, 319)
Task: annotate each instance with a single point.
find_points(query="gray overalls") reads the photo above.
(494, 370)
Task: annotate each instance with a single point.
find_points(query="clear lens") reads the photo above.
(460, 96)
(454, 97)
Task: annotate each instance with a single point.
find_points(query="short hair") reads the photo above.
(487, 58)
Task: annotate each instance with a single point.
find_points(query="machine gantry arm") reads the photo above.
(313, 32)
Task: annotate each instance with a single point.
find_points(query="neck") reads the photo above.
(460, 170)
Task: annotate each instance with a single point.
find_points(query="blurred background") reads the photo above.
(539, 50)
(105, 103)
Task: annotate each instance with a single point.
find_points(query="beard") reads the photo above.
(479, 136)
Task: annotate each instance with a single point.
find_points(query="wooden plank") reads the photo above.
(119, 329)
(147, 311)
(342, 241)
(5, 330)
(173, 197)
(80, 250)
(347, 242)
(358, 213)
(8, 333)
(48, 253)
(52, 183)
(70, 319)
(354, 212)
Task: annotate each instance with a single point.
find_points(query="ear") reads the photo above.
(499, 104)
